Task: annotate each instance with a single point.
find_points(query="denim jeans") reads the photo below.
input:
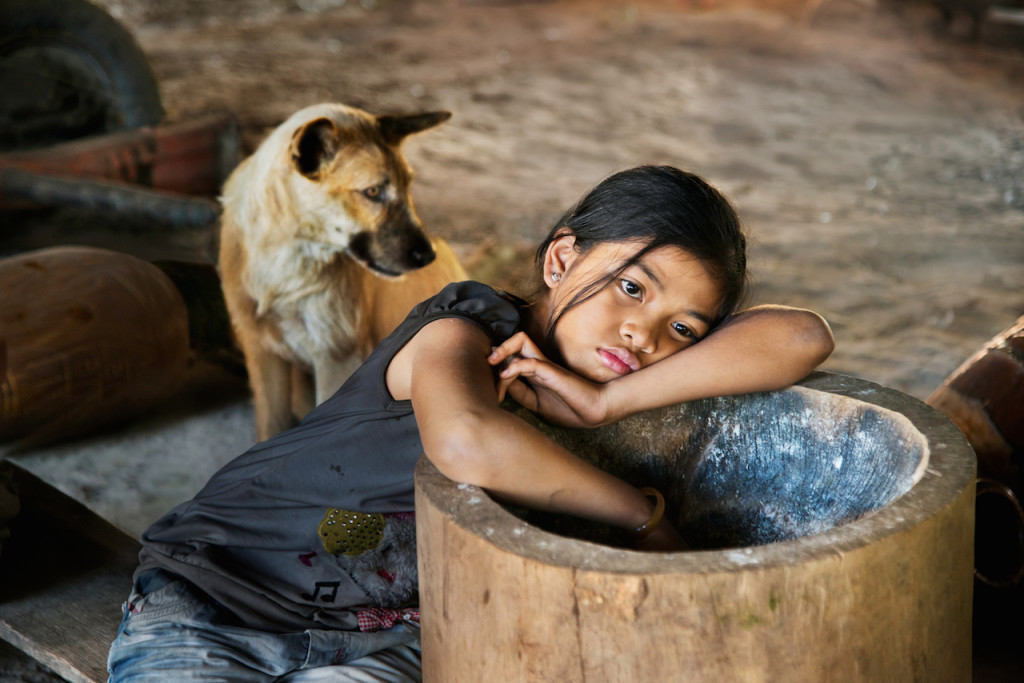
(173, 632)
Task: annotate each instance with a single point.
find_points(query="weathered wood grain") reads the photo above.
(64, 574)
(884, 597)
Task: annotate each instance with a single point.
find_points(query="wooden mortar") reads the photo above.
(882, 592)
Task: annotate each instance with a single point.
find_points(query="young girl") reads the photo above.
(297, 560)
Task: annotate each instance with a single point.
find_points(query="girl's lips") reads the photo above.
(620, 361)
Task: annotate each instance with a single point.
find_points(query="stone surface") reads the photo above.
(756, 469)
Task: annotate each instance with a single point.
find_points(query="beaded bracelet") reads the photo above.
(648, 527)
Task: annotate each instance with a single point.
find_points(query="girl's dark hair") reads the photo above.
(659, 206)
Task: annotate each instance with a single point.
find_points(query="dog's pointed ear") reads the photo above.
(313, 145)
(395, 128)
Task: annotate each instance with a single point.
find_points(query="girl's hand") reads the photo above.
(545, 388)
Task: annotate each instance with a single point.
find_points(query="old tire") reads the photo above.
(69, 70)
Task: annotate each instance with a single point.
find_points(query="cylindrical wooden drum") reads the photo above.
(833, 526)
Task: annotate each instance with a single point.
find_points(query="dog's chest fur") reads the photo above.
(306, 292)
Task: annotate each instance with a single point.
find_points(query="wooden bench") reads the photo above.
(64, 574)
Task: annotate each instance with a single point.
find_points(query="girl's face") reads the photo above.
(655, 307)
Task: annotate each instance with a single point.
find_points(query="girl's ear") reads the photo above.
(559, 256)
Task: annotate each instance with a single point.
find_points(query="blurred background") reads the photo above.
(873, 148)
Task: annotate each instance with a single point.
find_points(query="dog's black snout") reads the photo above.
(392, 251)
(422, 257)
(418, 249)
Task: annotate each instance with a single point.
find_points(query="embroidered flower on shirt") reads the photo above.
(344, 532)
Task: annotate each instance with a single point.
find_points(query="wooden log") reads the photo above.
(985, 398)
(885, 596)
(87, 337)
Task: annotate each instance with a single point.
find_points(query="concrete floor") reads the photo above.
(135, 472)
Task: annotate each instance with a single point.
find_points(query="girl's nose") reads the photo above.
(638, 336)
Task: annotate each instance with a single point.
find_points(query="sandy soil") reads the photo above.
(878, 165)
(879, 169)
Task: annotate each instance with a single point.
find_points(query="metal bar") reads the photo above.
(1006, 15)
(166, 207)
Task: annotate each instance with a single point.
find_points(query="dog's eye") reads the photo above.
(375, 193)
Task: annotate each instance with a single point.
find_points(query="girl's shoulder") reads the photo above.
(498, 312)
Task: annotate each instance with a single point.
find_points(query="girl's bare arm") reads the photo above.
(760, 349)
(471, 439)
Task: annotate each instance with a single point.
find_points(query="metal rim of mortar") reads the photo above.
(946, 476)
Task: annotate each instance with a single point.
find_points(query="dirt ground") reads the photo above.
(878, 164)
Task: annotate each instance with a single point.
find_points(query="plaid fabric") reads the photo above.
(379, 618)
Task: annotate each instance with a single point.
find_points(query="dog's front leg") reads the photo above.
(303, 391)
(270, 379)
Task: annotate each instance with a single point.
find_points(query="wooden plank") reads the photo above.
(64, 574)
(190, 157)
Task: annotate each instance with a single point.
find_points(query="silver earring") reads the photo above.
(555, 277)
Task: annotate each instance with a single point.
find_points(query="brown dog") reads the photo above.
(322, 253)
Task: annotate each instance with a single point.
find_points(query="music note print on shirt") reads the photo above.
(330, 589)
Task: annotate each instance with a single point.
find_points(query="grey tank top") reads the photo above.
(306, 528)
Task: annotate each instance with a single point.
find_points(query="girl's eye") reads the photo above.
(684, 331)
(631, 288)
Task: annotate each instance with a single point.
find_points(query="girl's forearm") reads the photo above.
(761, 349)
(471, 439)
(515, 462)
